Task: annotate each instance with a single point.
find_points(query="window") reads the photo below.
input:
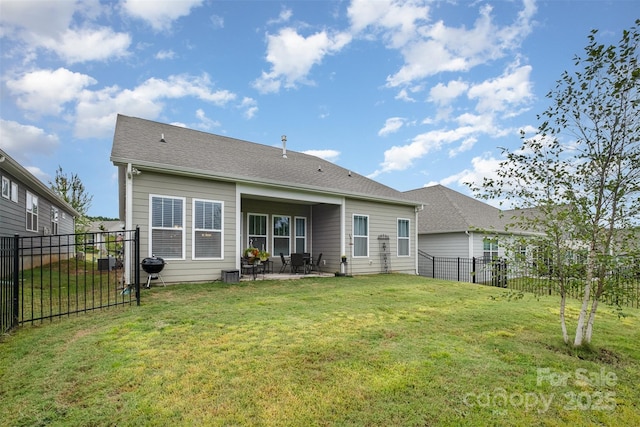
(167, 227)
(6, 187)
(258, 231)
(360, 236)
(301, 235)
(403, 237)
(490, 250)
(14, 192)
(54, 220)
(32, 212)
(207, 229)
(281, 235)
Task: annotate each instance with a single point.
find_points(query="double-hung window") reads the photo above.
(258, 231)
(282, 235)
(207, 229)
(490, 249)
(54, 220)
(403, 237)
(167, 226)
(360, 236)
(32, 212)
(301, 235)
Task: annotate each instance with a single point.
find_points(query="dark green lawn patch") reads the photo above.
(372, 350)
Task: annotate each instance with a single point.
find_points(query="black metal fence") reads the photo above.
(45, 277)
(483, 270)
(623, 283)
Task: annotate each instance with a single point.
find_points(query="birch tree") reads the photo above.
(581, 172)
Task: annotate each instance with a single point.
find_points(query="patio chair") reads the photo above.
(285, 263)
(316, 264)
(297, 261)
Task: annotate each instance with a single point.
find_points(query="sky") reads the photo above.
(409, 93)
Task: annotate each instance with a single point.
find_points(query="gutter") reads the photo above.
(197, 173)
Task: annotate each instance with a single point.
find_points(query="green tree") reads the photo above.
(72, 191)
(581, 172)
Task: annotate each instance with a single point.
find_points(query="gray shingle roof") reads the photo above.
(188, 151)
(446, 210)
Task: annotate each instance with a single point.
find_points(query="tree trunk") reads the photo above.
(592, 319)
(563, 323)
(580, 329)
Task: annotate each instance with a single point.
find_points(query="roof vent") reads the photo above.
(284, 146)
(162, 138)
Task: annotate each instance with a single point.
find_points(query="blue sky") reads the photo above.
(409, 93)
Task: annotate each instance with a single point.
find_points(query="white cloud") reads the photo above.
(292, 56)
(83, 45)
(250, 107)
(205, 122)
(284, 16)
(161, 14)
(47, 91)
(392, 125)
(165, 54)
(49, 25)
(511, 89)
(439, 48)
(329, 155)
(22, 141)
(445, 94)
(96, 111)
(403, 95)
(397, 21)
(46, 18)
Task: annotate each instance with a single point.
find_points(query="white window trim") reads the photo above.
(266, 236)
(274, 237)
(194, 230)
(6, 187)
(408, 238)
(353, 224)
(151, 227)
(55, 216)
(14, 192)
(294, 231)
(35, 215)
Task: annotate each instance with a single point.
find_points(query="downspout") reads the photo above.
(416, 256)
(470, 235)
(239, 231)
(128, 219)
(343, 228)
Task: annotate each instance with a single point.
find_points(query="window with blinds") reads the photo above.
(360, 236)
(167, 226)
(207, 229)
(403, 237)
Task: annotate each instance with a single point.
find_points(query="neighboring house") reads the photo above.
(98, 232)
(452, 224)
(201, 199)
(29, 208)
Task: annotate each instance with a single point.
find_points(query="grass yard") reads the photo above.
(366, 351)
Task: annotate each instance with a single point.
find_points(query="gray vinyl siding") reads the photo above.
(13, 215)
(383, 220)
(453, 245)
(187, 269)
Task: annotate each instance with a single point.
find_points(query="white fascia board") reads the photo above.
(288, 194)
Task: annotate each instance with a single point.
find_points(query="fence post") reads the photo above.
(458, 269)
(16, 279)
(473, 268)
(136, 263)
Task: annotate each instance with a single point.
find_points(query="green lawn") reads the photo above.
(372, 351)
